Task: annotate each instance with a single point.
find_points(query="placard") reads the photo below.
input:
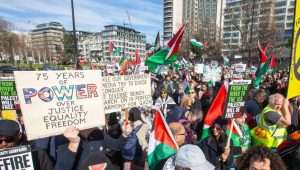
(8, 94)
(126, 91)
(240, 68)
(238, 90)
(199, 68)
(18, 158)
(53, 100)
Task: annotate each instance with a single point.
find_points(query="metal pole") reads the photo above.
(124, 40)
(251, 30)
(74, 33)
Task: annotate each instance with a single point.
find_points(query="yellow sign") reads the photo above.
(294, 78)
(9, 115)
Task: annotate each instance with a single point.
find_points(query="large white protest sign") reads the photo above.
(53, 100)
(18, 158)
(126, 91)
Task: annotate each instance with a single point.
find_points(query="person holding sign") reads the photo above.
(10, 136)
(271, 130)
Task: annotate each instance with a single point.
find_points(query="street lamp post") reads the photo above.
(74, 33)
(251, 30)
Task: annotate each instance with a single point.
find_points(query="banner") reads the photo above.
(294, 77)
(53, 100)
(126, 91)
(8, 94)
(236, 96)
(18, 158)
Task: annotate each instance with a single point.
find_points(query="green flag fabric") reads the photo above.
(263, 69)
(158, 59)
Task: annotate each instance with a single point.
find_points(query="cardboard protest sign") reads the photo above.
(126, 91)
(236, 96)
(8, 94)
(53, 100)
(18, 158)
(240, 67)
(199, 68)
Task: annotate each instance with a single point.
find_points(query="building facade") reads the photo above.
(173, 17)
(127, 40)
(48, 39)
(272, 22)
(211, 18)
(90, 46)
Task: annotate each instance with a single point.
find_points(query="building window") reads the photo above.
(279, 11)
(280, 4)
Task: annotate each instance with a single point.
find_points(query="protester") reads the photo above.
(242, 138)
(135, 146)
(10, 136)
(260, 158)
(254, 106)
(192, 157)
(214, 146)
(273, 121)
(178, 132)
(164, 102)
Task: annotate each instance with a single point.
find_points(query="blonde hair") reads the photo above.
(186, 100)
(275, 97)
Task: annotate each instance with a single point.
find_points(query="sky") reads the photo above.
(145, 16)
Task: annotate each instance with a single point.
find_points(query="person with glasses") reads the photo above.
(179, 133)
(214, 146)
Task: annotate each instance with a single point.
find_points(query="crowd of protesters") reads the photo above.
(184, 99)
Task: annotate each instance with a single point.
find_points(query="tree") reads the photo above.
(69, 50)
(263, 29)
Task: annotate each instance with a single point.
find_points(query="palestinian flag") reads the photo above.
(166, 55)
(161, 142)
(264, 65)
(215, 110)
(158, 59)
(262, 52)
(263, 69)
(236, 134)
(273, 63)
(196, 44)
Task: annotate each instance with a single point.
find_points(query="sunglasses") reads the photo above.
(7, 140)
(216, 127)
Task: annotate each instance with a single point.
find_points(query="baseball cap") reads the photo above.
(192, 157)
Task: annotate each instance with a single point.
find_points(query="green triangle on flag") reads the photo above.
(161, 142)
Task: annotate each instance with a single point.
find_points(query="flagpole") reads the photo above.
(74, 33)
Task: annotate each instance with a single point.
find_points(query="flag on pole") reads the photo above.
(263, 69)
(262, 52)
(161, 142)
(157, 42)
(264, 65)
(176, 43)
(273, 63)
(196, 43)
(215, 110)
(137, 57)
(294, 76)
